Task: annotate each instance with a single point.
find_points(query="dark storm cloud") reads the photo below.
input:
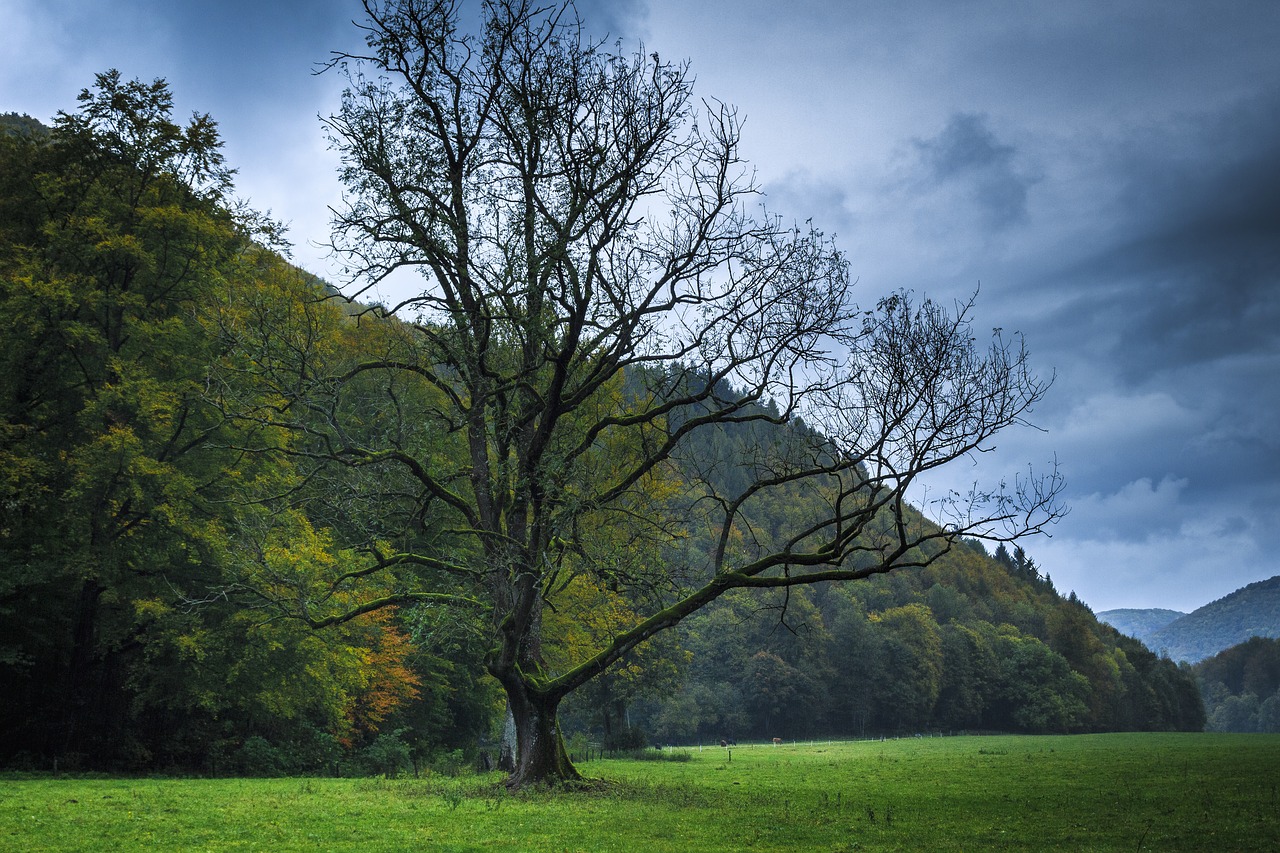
(1197, 271)
(966, 153)
(1181, 294)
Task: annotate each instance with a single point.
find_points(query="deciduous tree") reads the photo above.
(583, 223)
(120, 228)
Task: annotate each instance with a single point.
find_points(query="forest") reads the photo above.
(631, 466)
(149, 321)
(1241, 687)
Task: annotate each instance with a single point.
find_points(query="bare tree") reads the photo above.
(600, 289)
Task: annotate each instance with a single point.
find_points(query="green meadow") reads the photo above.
(1126, 792)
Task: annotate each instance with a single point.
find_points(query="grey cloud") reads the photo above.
(967, 153)
(614, 19)
(800, 196)
(965, 145)
(1173, 292)
(1136, 511)
(1192, 269)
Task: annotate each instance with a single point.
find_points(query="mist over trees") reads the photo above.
(614, 463)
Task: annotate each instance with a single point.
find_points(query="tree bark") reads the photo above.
(507, 750)
(541, 758)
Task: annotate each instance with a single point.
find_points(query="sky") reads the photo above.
(1105, 175)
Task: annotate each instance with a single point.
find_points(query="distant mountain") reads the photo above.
(1253, 611)
(13, 124)
(1139, 623)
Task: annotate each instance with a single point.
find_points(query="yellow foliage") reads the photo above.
(579, 619)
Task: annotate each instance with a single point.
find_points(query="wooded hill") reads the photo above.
(974, 642)
(1140, 623)
(1252, 611)
(1241, 687)
(147, 474)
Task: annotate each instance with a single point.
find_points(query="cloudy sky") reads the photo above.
(1105, 174)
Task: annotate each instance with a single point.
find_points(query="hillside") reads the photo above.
(1139, 623)
(1253, 611)
(1241, 687)
(976, 641)
(15, 124)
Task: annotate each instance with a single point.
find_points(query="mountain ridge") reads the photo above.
(1139, 622)
(1251, 611)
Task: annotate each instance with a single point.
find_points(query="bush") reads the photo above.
(315, 752)
(451, 762)
(388, 755)
(257, 757)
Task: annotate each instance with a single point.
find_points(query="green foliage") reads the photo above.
(257, 757)
(1251, 667)
(111, 455)
(1241, 687)
(969, 675)
(905, 667)
(1039, 690)
(971, 642)
(123, 513)
(912, 657)
(21, 125)
(387, 756)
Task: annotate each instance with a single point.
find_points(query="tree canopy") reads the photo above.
(121, 498)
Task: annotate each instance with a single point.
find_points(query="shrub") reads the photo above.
(387, 756)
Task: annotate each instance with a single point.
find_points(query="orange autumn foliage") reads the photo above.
(391, 680)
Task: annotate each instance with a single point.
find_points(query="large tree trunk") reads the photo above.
(540, 754)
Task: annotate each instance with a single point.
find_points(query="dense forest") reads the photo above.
(973, 643)
(1241, 687)
(122, 260)
(147, 319)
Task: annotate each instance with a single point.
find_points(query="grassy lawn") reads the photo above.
(1095, 792)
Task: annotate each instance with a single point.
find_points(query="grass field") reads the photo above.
(1097, 792)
